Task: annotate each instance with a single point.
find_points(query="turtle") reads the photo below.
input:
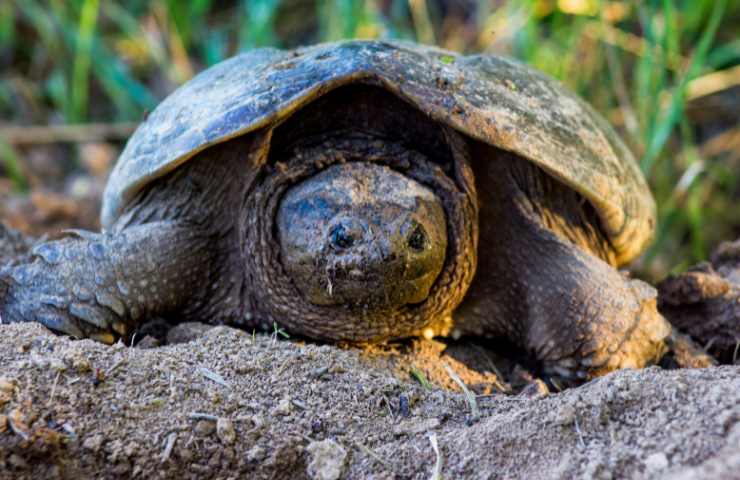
(364, 191)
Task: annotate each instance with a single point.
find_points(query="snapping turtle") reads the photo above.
(364, 191)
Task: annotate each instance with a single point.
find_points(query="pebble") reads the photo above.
(327, 460)
(93, 443)
(566, 416)
(8, 385)
(283, 408)
(656, 462)
(535, 389)
(256, 454)
(17, 461)
(225, 431)
(204, 428)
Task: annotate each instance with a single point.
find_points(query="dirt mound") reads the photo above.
(233, 405)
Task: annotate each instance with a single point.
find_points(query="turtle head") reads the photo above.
(363, 236)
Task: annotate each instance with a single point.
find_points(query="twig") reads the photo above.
(374, 455)
(578, 431)
(83, 133)
(203, 416)
(437, 472)
(215, 377)
(469, 396)
(53, 389)
(115, 367)
(299, 404)
(388, 405)
(169, 444)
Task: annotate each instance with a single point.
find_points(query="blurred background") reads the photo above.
(77, 75)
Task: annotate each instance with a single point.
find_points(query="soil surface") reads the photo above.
(228, 404)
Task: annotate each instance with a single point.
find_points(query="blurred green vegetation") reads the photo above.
(665, 73)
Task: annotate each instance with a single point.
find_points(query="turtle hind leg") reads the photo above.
(540, 280)
(103, 285)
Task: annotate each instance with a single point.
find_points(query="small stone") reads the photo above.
(185, 454)
(656, 462)
(283, 408)
(317, 425)
(566, 416)
(8, 385)
(93, 443)
(535, 389)
(17, 462)
(327, 460)
(225, 431)
(318, 372)
(204, 428)
(256, 454)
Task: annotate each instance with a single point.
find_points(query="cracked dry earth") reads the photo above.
(232, 405)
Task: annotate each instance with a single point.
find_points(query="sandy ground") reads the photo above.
(232, 405)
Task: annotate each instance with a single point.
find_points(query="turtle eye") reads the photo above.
(341, 238)
(417, 240)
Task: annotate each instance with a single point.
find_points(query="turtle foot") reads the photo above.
(66, 287)
(603, 323)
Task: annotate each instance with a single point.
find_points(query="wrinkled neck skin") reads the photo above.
(353, 237)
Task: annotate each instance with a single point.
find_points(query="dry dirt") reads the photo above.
(232, 405)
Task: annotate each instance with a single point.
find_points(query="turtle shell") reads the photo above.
(494, 100)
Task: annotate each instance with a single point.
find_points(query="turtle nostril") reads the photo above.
(341, 238)
(418, 239)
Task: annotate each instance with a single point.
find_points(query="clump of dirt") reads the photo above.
(705, 302)
(233, 405)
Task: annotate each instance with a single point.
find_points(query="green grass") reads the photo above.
(107, 61)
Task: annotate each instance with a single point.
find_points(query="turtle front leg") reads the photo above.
(580, 316)
(103, 285)
(541, 281)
